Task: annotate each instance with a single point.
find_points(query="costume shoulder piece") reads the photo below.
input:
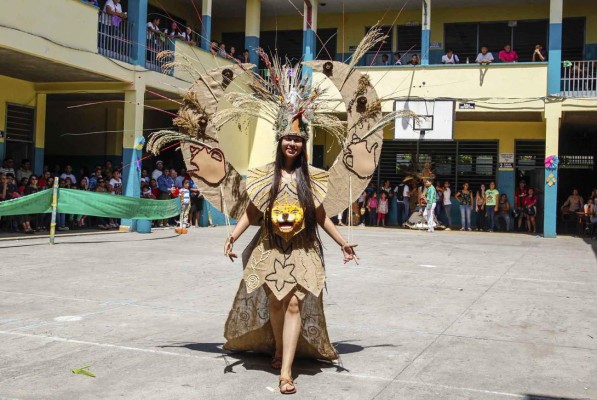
(260, 180)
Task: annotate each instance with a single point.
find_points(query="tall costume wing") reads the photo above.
(206, 163)
(356, 163)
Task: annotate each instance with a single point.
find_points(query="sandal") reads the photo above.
(285, 383)
(277, 362)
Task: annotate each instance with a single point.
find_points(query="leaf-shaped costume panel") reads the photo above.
(206, 163)
(361, 148)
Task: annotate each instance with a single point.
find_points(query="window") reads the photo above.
(484, 165)
(526, 35)
(467, 38)
(573, 38)
(388, 44)
(455, 161)
(462, 39)
(20, 131)
(409, 39)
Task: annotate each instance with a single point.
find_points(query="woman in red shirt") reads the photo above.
(530, 209)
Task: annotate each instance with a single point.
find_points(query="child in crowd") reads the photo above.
(146, 191)
(185, 193)
(382, 209)
(372, 208)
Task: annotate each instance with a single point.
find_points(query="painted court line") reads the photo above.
(168, 353)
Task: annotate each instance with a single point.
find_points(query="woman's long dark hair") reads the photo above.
(304, 191)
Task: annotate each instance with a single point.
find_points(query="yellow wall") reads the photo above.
(506, 132)
(355, 23)
(491, 88)
(70, 23)
(14, 91)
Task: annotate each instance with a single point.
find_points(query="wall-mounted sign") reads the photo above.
(506, 161)
(466, 106)
(435, 45)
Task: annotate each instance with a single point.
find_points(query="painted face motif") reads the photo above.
(287, 219)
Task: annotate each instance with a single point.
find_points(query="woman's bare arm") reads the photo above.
(250, 215)
(329, 228)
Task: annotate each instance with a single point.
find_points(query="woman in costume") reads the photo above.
(286, 261)
(278, 308)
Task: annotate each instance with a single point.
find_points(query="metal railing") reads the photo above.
(114, 37)
(156, 43)
(580, 79)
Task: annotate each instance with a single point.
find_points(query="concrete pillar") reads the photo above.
(309, 30)
(137, 15)
(425, 31)
(206, 21)
(252, 29)
(554, 59)
(133, 132)
(40, 133)
(553, 113)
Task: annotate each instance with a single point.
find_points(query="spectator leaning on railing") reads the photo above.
(484, 57)
(450, 58)
(508, 55)
(112, 14)
(539, 55)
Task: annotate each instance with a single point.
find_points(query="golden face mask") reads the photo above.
(287, 219)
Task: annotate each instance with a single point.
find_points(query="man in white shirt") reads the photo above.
(397, 59)
(68, 173)
(24, 171)
(157, 172)
(450, 58)
(448, 203)
(484, 57)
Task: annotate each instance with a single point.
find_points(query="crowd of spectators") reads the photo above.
(484, 57)
(162, 183)
(493, 211)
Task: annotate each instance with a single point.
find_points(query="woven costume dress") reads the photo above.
(290, 263)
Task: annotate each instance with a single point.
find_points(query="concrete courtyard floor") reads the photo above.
(449, 315)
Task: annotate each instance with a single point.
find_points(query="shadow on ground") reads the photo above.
(261, 362)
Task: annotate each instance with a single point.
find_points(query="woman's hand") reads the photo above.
(349, 253)
(228, 249)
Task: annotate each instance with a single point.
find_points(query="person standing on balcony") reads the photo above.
(245, 57)
(539, 55)
(154, 37)
(214, 48)
(508, 55)
(222, 50)
(113, 14)
(397, 59)
(414, 60)
(187, 36)
(450, 58)
(484, 57)
(385, 60)
(174, 32)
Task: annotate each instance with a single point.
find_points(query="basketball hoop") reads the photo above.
(423, 123)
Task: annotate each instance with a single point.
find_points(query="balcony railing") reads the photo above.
(114, 37)
(156, 43)
(580, 79)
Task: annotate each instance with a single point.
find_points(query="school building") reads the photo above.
(73, 91)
